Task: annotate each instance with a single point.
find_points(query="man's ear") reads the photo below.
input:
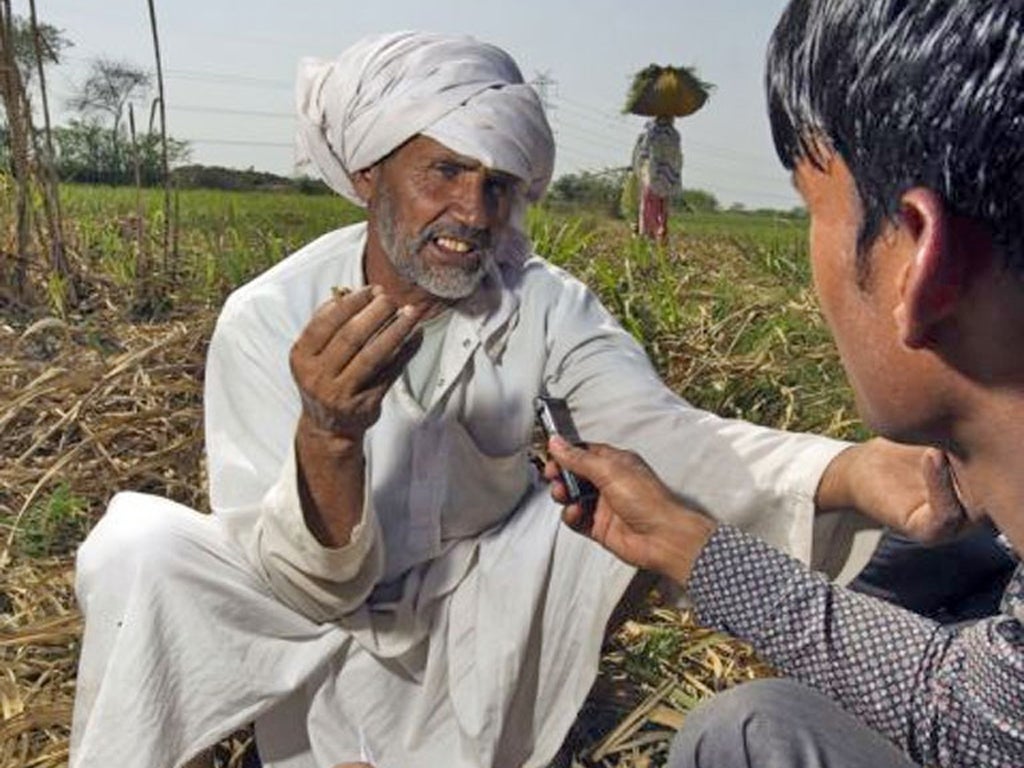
(365, 182)
(934, 275)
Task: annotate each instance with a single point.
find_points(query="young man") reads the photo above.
(383, 579)
(902, 123)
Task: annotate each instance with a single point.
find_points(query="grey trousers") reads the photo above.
(779, 724)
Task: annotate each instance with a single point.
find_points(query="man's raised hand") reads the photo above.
(347, 357)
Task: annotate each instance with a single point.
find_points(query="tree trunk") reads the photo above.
(12, 92)
(51, 186)
(142, 277)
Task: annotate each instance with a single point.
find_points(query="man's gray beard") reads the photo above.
(445, 282)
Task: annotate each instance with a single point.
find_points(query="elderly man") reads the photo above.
(914, 187)
(384, 578)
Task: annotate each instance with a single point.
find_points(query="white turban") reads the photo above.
(386, 89)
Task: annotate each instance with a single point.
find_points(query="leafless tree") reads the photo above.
(107, 90)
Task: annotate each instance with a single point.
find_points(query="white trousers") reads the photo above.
(184, 643)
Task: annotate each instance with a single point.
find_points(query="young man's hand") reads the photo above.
(636, 517)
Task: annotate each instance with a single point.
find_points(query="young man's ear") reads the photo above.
(935, 273)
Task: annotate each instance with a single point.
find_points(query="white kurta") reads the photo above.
(462, 625)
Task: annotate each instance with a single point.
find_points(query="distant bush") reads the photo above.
(602, 189)
(615, 192)
(243, 180)
(700, 200)
(310, 186)
(87, 153)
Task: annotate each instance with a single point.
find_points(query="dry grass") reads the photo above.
(655, 669)
(99, 403)
(38, 649)
(87, 409)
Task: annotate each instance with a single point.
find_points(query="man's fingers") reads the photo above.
(395, 337)
(364, 333)
(330, 316)
(385, 356)
(551, 470)
(371, 393)
(939, 481)
(382, 377)
(349, 377)
(574, 516)
(557, 488)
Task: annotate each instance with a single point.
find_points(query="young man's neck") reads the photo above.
(990, 468)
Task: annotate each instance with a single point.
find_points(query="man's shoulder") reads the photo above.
(303, 279)
(541, 277)
(543, 290)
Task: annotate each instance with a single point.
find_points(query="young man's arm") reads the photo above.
(947, 698)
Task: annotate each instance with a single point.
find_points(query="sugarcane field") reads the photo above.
(118, 251)
(107, 395)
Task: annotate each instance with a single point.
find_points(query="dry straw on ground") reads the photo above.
(100, 404)
(85, 411)
(122, 410)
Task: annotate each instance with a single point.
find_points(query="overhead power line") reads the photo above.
(241, 142)
(228, 78)
(229, 111)
(232, 78)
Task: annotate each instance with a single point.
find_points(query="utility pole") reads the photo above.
(169, 223)
(546, 87)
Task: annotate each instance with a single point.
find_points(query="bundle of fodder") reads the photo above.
(666, 91)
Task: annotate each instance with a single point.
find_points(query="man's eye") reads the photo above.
(500, 186)
(448, 170)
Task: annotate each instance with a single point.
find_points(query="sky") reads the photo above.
(229, 71)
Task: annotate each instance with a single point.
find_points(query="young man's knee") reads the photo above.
(719, 727)
(759, 698)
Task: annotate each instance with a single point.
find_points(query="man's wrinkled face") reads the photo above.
(438, 215)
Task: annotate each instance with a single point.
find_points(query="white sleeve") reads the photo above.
(320, 582)
(251, 410)
(759, 479)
